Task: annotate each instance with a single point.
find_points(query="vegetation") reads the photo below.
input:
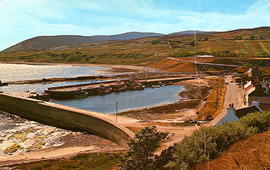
(251, 153)
(204, 144)
(84, 161)
(215, 99)
(142, 148)
(234, 46)
(209, 143)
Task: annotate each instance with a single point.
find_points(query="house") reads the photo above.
(234, 115)
(253, 74)
(229, 117)
(260, 94)
(255, 107)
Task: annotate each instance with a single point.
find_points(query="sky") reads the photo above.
(24, 19)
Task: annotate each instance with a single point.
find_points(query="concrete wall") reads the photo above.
(66, 117)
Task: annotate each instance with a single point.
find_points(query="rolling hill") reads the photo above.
(60, 41)
(65, 41)
(242, 46)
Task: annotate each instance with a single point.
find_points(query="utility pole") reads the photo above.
(116, 109)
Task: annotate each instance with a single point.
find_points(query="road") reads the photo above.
(234, 95)
(203, 63)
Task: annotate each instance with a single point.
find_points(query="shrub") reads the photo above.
(210, 142)
(142, 147)
(260, 121)
(205, 143)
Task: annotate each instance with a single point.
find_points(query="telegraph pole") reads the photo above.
(116, 109)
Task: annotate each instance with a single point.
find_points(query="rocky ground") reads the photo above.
(18, 135)
(23, 141)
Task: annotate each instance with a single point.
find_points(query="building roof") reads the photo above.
(243, 112)
(229, 117)
(259, 92)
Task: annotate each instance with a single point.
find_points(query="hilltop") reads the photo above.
(61, 41)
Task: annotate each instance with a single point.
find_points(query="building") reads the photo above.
(260, 94)
(234, 115)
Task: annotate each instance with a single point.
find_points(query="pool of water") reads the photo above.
(14, 72)
(126, 100)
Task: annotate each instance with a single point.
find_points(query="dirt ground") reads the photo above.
(250, 154)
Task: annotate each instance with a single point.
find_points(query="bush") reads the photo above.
(142, 147)
(205, 143)
(210, 142)
(260, 121)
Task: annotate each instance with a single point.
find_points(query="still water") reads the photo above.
(14, 72)
(126, 100)
(39, 88)
(105, 104)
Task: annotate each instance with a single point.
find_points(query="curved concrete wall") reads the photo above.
(66, 117)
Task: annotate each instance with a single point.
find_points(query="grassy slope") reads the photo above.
(143, 50)
(249, 154)
(85, 161)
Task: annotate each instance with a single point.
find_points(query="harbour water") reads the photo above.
(105, 104)
(126, 100)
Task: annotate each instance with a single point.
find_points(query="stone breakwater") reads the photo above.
(19, 136)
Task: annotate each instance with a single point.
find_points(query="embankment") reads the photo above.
(66, 117)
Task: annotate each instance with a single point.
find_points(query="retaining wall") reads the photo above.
(66, 117)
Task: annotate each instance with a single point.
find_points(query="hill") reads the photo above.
(63, 41)
(249, 154)
(191, 32)
(243, 46)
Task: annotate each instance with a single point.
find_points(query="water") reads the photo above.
(39, 88)
(126, 100)
(14, 72)
(104, 104)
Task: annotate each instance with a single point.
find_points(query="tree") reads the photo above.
(142, 147)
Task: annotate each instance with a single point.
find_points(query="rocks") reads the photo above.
(21, 136)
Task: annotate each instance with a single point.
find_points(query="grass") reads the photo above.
(208, 143)
(214, 102)
(96, 161)
(264, 47)
(249, 154)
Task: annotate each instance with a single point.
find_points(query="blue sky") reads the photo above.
(23, 19)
